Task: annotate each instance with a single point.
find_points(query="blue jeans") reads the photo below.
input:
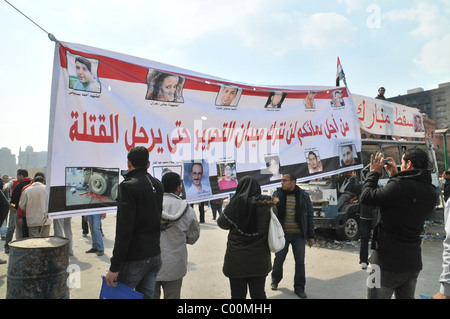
(141, 275)
(298, 249)
(94, 225)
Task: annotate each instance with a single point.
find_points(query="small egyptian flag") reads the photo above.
(340, 73)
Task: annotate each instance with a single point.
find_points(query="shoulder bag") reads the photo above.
(276, 234)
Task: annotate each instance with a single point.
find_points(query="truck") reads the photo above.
(345, 219)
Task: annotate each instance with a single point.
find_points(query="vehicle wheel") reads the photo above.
(351, 229)
(98, 184)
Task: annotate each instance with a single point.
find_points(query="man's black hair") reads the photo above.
(292, 176)
(84, 61)
(418, 157)
(22, 172)
(171, 181)
(138, 156)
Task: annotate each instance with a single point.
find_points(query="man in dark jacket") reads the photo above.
(404, 202)
(136, 256)
(24, 180)
(295, 212)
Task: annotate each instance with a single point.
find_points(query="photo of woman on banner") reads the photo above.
(196, 180)
(83, 73)
(228, 95)
(314, 163)
(164, 87)
(347, 155)
(275, 100)
(226, 175)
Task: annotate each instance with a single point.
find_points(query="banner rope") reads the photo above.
(50, 35)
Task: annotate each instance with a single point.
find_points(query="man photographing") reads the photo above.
(404, 202)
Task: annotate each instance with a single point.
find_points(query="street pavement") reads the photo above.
(332, 269)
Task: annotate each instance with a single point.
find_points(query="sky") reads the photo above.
(401, 45)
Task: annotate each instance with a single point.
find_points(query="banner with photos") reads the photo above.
(209, 130)
(388, 118)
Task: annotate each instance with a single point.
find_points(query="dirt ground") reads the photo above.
(332, 269)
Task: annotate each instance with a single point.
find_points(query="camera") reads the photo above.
(385, 162)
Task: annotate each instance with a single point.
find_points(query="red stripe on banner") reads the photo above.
(110, 68)
(124, 71)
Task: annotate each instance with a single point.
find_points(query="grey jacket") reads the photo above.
(179, 226)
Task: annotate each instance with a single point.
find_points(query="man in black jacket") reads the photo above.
(404, 202)
(136, 256)
(295, 212)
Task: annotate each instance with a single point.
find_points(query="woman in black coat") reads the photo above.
(247, 258)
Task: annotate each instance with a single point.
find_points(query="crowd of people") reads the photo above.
(154, 225)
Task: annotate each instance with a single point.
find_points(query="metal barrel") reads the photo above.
(37, 268)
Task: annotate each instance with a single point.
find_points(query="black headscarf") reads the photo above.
(241, 211)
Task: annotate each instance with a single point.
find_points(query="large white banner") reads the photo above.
(387, 118)
(209, 130)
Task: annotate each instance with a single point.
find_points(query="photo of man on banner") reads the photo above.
(83, 73)
(229, 95)
(347, 155)
(196, 180)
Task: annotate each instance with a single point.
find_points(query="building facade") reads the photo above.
(435, 103)
(8, 164)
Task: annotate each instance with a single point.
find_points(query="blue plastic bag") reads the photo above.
(120, 292)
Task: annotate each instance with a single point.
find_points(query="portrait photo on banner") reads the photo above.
(228, 95)
(196, 179)
(226, 175)
(83, 73)
(309, 102)
(337, 100)
(313, 160)
(348, 155)
(272, 167)
(159, 170)
(275, 100)
(164, 87)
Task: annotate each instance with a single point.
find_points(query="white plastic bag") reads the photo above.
(276, 234)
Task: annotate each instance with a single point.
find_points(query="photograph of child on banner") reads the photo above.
(226, 175)
(164, 87)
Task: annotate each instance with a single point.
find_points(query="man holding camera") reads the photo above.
(405, 201)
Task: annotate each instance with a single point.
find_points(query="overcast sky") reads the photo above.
(401, 44)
